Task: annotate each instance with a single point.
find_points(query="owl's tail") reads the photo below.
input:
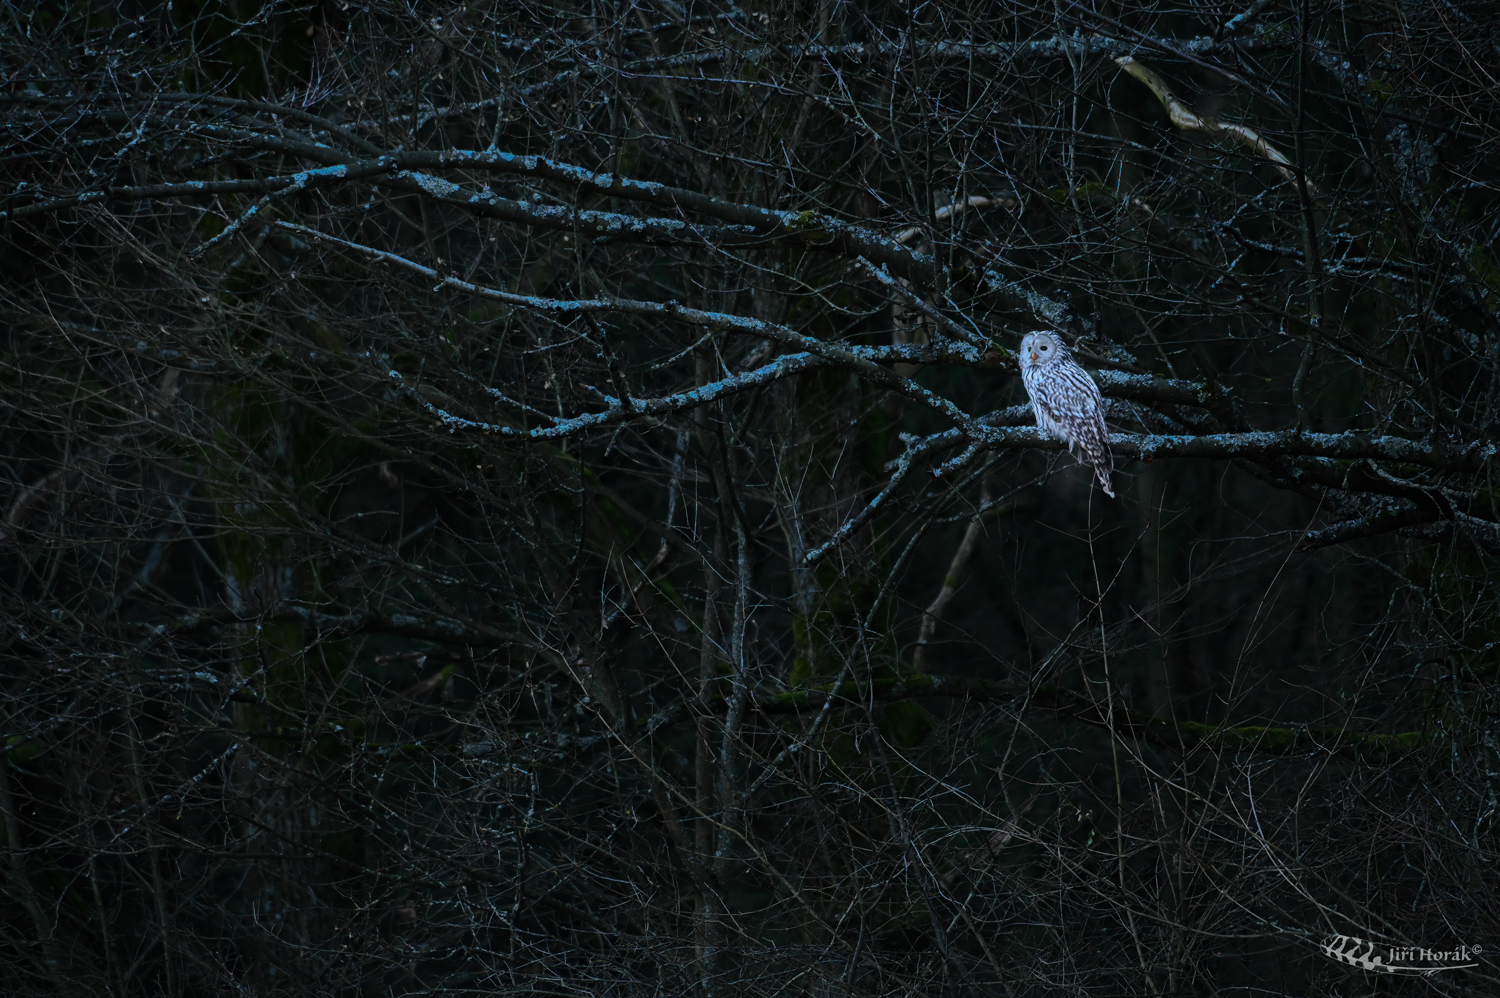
(1102, 472)
(1097, 456)
(1100, 458)
(1104, 466)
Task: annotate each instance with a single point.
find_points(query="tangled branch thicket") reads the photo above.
(506, 498)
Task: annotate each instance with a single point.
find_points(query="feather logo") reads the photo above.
(1361, 953)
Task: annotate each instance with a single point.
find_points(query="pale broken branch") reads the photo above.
(1191, 121)
(949, 211)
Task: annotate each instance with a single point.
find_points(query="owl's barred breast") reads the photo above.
(1032, 377)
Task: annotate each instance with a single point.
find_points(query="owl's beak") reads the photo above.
(1033, 356)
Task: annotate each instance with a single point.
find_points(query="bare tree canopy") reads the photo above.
(516, 499)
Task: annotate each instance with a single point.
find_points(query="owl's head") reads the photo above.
(1041, 348)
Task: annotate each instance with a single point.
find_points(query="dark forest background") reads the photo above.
(503, 498)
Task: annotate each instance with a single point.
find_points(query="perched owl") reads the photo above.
(1067, 403)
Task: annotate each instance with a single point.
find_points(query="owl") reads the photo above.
(1067, 403)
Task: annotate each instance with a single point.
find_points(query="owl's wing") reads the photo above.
(1074, 397)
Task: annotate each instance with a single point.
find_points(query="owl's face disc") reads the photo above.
(1039, 348)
